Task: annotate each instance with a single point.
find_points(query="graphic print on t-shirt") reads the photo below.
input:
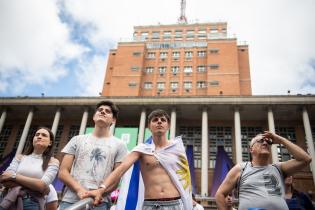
(97, 159)
(272, 184)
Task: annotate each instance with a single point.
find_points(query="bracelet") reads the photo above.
(103, 186)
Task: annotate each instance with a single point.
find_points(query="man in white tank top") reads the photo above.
(260, 183)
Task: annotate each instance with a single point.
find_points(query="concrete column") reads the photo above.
(55, 124)
(84, 121)
(173, 124)
(271, 126)
(238, 138)
(112, 129)
(309, 140)
(204, 153)
(25, 131)
(141, 126)
(2, 119)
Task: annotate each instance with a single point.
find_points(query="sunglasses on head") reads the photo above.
(268, 141)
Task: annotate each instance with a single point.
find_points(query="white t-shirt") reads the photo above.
(94, 159)
(198, 207)
(52, 195)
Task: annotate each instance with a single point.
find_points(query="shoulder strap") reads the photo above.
(278, 169)
(238, 183)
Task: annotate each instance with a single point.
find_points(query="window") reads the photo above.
(201, 53)
(136, 54)
(155, 34)
(214, 66)
(135, 68)
(175, 69)
(201, 68)
(4, 137)
(174, 85)
(149, 70)
(167, 34)
(214, 51)
(132, 84)
(162, 70)
(144, 35)
(188, 69)
(188, 54)
(161, 85)
(176, 54)
(213, 30)
(190, 34)
(148, 85)
(201, 84)
(187, 85)
(151, 55)
(214, 83)
(163, 54)
(219, 136)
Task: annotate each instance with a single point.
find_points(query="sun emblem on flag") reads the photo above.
(184, 172)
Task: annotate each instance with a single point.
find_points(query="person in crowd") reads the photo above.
(30, 175)
(52, 199)
(196, 205)
(296, 200)
(164, 169)
(89, 158)
(260, 184)
(229, 201)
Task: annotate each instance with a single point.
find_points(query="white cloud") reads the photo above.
(91, 75)
(34, 43)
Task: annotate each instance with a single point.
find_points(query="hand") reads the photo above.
(82, 193)
(276, 139)
(97, 195)
(6, 176)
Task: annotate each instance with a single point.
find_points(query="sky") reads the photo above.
(60, 48)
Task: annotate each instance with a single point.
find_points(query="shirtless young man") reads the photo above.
(160, 188)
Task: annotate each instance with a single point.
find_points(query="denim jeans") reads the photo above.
(103, 206)
(29, 204)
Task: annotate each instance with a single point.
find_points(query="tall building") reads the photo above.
(179, 60)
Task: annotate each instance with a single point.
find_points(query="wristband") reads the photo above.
(103, 186)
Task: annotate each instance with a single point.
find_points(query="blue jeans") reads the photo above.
(29, 204)
(103, 206)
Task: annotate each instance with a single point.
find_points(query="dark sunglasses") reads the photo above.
(268, 141)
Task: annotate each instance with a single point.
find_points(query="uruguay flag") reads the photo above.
(173, 159)
(132, 187)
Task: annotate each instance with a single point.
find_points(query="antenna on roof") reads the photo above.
(182, 19)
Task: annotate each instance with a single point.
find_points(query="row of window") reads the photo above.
(176, 69)
(176, 54)
(175, 85)
(179, 33)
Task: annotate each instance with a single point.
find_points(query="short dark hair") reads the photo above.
(158, 113)
(112, 106)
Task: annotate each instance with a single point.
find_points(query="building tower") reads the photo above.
(178, 60)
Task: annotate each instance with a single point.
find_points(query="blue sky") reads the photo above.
(60, 48)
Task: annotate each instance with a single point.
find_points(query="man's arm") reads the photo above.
(301, 158)
(115, 185)
(113, 178)
(65, 176)
(227, 186)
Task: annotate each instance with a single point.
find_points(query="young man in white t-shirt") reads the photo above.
(89, 158)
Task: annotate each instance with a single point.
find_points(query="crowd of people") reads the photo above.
(93, 164)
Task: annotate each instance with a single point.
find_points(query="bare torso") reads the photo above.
(157, 182)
